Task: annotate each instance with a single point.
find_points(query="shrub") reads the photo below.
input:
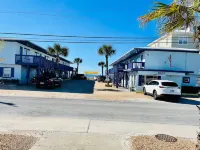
(190, 89)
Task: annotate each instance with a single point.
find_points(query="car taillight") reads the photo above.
(161, 87)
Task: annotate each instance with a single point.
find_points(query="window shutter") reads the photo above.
(140, 80)
(1, 71)
(159, 77)
(12, 72)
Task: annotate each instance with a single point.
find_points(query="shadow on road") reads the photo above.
(68, 86)
(183, 100)
(9, 104)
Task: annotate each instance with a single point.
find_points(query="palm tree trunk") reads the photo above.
(102, 70)
(77, 68)
(106, 65)
(107, 68)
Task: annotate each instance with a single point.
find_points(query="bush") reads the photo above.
(108, 85)
(190, 89)
(10, 81)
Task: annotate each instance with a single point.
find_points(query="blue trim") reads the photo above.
(1, 71)
(12, 72)
(178, 71)
(166, 50)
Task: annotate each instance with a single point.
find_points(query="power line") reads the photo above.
(29, 13)
(74, 36)
(85, 41)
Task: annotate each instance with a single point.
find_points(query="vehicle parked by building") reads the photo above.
(162, 88)
(79, 77)
(47, 79)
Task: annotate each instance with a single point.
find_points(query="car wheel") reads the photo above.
(155, 96)
(144, 90)
(37, 86)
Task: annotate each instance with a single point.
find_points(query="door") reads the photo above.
(148, 87)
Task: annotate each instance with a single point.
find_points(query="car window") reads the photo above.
(150, 83)
(173, 84)
(156, 83)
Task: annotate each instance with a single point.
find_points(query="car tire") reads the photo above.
(144, 90)
(37, 86)
(155, 96)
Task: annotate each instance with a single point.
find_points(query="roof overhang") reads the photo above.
(136, 51)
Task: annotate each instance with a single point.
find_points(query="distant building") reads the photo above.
(23, 60)
(177, 39)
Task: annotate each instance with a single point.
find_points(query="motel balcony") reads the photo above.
(135, 65)
(39, 61)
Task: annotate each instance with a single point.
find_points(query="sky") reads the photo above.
(81, 18)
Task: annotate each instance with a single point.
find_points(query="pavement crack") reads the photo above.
(88, 126)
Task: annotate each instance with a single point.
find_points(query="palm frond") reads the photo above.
(170, 17)
(51, 50)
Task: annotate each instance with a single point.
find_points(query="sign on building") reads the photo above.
(27, 59)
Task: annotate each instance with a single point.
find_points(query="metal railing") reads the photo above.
(136, 65)
(39, 61)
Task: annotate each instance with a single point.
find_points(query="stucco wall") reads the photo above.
(17, 70)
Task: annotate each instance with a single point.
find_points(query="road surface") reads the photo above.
(146, 111)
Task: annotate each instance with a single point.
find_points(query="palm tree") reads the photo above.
(77, 61)
(57, 50)
(107, 51)
(102, 65)
(178, 14)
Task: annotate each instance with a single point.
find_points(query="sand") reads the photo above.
(16, 142)
(151, 143)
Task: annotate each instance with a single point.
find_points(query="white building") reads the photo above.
(140, 65)
(176, 39)
(23, 60)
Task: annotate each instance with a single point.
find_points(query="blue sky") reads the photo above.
(80, 17)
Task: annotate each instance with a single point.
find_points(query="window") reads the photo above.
(26, 51)
(6, 72)
(183, 40)
(141, 58)
(172, 84)
(186, 79)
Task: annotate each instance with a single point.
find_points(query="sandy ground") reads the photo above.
(100, 93)
(16, 142)
(151, 143)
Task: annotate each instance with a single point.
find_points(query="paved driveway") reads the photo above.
(68, 86)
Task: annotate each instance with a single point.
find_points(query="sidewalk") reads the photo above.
(78, 134)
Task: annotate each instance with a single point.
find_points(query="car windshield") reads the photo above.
(173, 84)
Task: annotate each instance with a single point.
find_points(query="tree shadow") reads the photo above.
(112, 90)
(9, 104)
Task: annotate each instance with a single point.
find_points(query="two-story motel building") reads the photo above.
(23, 60)
(140, 65)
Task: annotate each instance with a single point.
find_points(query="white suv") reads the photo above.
(159, 88)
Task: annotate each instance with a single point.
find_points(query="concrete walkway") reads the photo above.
(82, 134)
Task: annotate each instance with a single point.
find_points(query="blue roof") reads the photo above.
(34, 46)
(136, 51)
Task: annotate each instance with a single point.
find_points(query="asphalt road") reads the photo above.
(148, 111)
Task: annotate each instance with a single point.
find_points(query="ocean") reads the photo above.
(90, 75)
